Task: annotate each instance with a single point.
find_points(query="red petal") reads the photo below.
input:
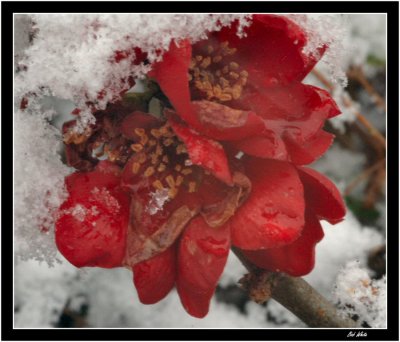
(322, 195)
(311, 150)
(154, 278)
(172, 76)
(202, 256)
(271, 52)
(298, 111)
(151, 232)
(91, 228)
(204, 152)
(296, 259)
(294, 117)
(80, 184)
(273, 215)
(266, 145)
(221, 122)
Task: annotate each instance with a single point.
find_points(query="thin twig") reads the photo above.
(380, 139)
(357, 73)
(363, 175)
(296, 295)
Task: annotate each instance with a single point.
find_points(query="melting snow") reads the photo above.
(357, 294)
(157, 201)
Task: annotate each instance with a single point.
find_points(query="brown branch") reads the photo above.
(363, 175)
(378, 137)
(295, 294)
(357, 73)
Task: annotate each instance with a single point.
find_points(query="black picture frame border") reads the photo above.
(391, 8)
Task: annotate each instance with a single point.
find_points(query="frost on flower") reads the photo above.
(170, 198)
(157, 201)
(357, 294)
(69, 57)
(324, 30)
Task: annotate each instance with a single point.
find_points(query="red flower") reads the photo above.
(176, 196)
(248, 91)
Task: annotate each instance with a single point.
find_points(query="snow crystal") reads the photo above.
(157, 201)
(358, 295)
(103, 196)
(368, 36)
(79, 212)
(330, 30)
(69, 58)
(343, 242)
(348, 108)
(38, 184)
(72, 54)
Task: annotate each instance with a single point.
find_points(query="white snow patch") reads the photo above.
(357, 294)
(343, 242)
(331, 30)
(38, 185)
(157, 201)
(72, 55)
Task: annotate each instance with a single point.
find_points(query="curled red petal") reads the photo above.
(271, 51)
(171, 73)
(266, 145)
(155, 277)
(311, 150)
(222, 122)
(202, 255)
(322, 195)
(204, 152)
(80, 184)
(297, 111)
(150, 233)
(273, 214)
(297, 258)
(92, 223)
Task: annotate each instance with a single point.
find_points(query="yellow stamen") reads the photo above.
(192, 187)
(158, 185)
(168, 142)
(234, 65)
(155, 133)
(205, 63)
(135, 168)
(181, 149)
(186, 172)
(149, 171)
(170, 181)
(144, 139)
(172, 192)
(139, 131)
(161, 167)
(137, 147)
(142, 158)
(217, 59)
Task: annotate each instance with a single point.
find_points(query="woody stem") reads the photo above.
(295, 294)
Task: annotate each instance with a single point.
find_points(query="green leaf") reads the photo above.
(365, 215)
(375, 61)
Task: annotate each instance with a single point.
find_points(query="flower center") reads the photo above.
(163, 159)
(216, 74)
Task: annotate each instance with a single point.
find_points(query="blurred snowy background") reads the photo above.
(350, 260)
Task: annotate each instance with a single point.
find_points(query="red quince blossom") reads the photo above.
(174, 195)
(248, 91)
